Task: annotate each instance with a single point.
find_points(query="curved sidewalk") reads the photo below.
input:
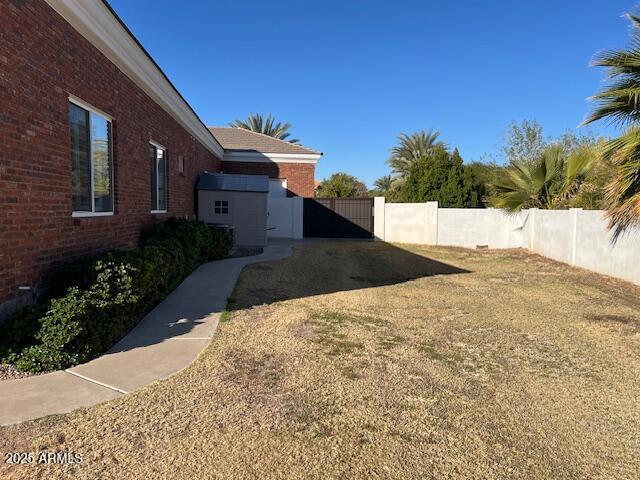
(165, 341)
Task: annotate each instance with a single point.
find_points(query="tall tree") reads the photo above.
(441, 176)
(342, 185)
(256, 122)
(410, 149)
(524, 142)
(619, 102)
(485, 174)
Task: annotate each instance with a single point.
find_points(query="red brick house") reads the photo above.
(290, 166)
(96, 143)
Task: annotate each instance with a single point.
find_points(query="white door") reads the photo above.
(285, 217)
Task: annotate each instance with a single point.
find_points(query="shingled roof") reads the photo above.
(239, 139)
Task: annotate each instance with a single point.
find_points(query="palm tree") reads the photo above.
(551, 181)
(266, 125)
(410, 149)
(383, 184)
(619, 102)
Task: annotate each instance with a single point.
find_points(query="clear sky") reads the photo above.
(351, 75)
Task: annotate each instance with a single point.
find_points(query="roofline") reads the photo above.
(310, 150)
(102, 27)
(255, 156)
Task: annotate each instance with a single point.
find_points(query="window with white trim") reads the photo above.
(158, 168)
(91, 161)
(221, 207)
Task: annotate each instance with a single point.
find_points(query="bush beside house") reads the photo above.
(94, 303)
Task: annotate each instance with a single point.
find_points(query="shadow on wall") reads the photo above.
(338, 218)
(266, 167)
(324, 267)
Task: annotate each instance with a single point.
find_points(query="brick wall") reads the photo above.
(299, 175)
(43, 60)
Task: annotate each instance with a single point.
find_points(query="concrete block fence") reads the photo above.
(575, 236)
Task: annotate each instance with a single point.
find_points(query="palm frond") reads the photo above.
(383, 184)
(619, 101)
(265, 125)
(543, 183)
(411, 148)
(623, 192)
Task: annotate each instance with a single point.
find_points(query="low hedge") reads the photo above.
(95, 302)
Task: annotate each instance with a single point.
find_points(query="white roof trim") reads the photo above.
(94, 21)
(258, 157)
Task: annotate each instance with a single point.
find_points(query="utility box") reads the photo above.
(238, 201)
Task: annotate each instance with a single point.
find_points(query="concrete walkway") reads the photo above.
(168, 339)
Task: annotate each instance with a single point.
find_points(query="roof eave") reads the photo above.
(255, 156)
(101, 26)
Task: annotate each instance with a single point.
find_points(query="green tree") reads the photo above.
(440, 176)
(342, 185)
(524, 142)
(410, 149)
(266, 125)
(552, 181)
(619, 102)
(485, 174)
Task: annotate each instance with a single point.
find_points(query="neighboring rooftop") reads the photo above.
(239, 139)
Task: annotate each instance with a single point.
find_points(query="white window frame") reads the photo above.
(81, 213)
(221, 206)
(166, 172)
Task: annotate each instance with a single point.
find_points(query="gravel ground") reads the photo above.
(9, 372)
(363, 360)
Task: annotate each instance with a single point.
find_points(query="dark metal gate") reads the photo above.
(338, 217)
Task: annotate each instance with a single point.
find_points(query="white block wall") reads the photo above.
(577, 237)
(553, 234)
(411, 222)
(465, 227)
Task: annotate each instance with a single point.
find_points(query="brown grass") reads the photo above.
(363, 360)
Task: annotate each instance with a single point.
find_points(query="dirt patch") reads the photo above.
(364, 360)
(627, 320)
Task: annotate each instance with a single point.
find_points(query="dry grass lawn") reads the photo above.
(364, 360)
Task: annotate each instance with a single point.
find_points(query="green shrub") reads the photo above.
(96, 302)
(20, 332)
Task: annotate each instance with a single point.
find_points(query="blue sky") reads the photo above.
(351, 75)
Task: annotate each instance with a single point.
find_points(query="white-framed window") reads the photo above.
(91, 150)
(158, 168)
(221, 207)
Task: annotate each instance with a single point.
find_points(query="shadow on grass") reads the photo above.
(316, 268)
(324, 267)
